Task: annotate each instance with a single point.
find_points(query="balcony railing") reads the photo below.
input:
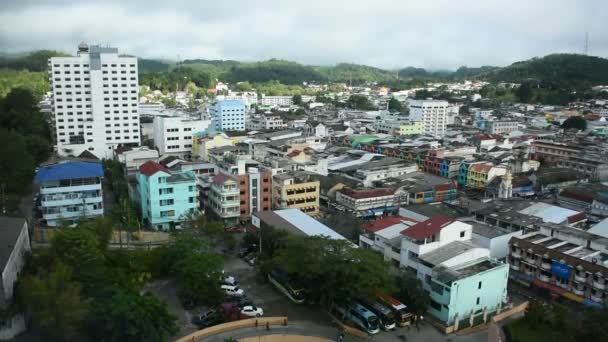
(580, 278)
(599, 285)
(545, 265)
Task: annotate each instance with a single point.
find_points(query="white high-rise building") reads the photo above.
(95, 101)
(228, 115)
(432, 113)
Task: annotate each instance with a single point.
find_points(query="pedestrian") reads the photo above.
(267, 326)
(341, 336)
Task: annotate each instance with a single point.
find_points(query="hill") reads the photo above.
(151, 65)
(346, 72)
(572, 69)
(35, 61)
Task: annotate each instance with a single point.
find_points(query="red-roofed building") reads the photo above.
(149, 168)
(375, 201)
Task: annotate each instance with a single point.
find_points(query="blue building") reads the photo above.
(166, 197)
(229, 115)
(70, 191)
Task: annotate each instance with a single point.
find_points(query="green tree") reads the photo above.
(360, 102)
(524, 92)
(411, 292)
(16, 165)
(122, 314)
(297, 100)
(535, 314)
(577, 122)
(79, 249)
(244, 86)
(199, 275)
(394, 105)
(55, 303)
(332, 267)
(103, 229)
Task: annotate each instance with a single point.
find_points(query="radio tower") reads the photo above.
(586, 49)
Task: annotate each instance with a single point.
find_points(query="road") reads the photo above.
(304, 319)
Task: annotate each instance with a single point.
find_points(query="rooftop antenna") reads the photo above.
(586, 49)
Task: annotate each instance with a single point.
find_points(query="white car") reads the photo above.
(252, 311)
(229, 280)
(233, 290)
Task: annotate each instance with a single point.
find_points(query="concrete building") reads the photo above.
(95, 101)
(432, 114)
(281, 101)
(224, 198)
(501, 126)
(16, 246)
(568, 262)
(294, 221)
(228, 115)
(166, 197)
(151, 109)
(134, 157)
(360, 201)
(70, 191)
(202, 144)
(174, 135)
(296, 190)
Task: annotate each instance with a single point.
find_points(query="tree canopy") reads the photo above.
(577, 122)
(360, 102)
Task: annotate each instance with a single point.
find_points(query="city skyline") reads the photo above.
(388, 35)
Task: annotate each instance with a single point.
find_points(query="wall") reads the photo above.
(498, 246)
(230, 326)
(12, 327)
(14, 264)
(464, 292)
(452, 232)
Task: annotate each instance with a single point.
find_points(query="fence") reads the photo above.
(221, 328)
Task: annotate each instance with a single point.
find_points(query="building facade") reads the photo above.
(224, 198)
(501, 127)
(229, 115)
(361, 200)
(432, 114)
(296, 190)
(95, 101)
(70, 191)
(174, 135)
(166, 197)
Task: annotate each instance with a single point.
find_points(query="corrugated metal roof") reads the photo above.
(548, 212)
(307, 224)
(69, 170)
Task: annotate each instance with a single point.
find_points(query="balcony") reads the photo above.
(545, 265)
(363, 238)
(530, 260)
(596, 298)
(515, 267)
(578, 292)
(580, 278)
(600, 285)
(544, 278)
(516, 254)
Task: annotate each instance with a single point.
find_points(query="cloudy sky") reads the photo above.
(424, 33)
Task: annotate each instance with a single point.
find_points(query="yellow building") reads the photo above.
(296, 190)
(201, 145)
(410, 128)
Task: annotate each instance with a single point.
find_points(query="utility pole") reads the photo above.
(586, 48)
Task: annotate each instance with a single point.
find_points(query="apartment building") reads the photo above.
(95, 101)
(70, 191)
(593, 165)
(166, 197)
(229, 115)
(134, 157)
(432, 114)
(174, 135)
(202, 145)
(462, 280)
(296, 190)
(264, 122)
(567, 262)
(481, 174)
(281, 101)
(401, 127)
(552, 152)
(362, 201)
(501, 126)
(224, 198)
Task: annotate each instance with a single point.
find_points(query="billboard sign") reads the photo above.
(561, 270)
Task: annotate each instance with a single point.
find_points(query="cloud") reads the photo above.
(432, 33)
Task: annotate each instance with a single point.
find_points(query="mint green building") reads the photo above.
(165, 196)
(469, 292)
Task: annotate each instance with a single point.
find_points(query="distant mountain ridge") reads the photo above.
(556, 68)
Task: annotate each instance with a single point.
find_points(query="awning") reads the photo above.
(573, 297)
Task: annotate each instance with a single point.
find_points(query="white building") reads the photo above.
(151, 109)
(432, 113)
(174, 135)
(134, 157)
(70, 191)
(276, 101)
(95, 101)
(501, 126)
(228, 116)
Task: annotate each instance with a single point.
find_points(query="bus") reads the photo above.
(383, 312)
(288, 286)
(402, 315)
(358, 314)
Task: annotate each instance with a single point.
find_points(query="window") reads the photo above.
(436, 305)
(462, 234)
(166, 202)
(191, 188)
(478, 299)
(191, 199)
(479, 286)
(162, 180)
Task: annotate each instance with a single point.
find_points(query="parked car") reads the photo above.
(244, 251)
(239, 301)
(231, 290)
(229, 280)
(252, 311)
(251, 259)
(207, 318)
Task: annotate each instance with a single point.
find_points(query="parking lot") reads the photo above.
(303, 319)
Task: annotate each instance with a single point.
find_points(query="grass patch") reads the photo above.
(521, 331)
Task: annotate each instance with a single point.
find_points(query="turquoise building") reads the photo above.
(165, 196)
(469, 292)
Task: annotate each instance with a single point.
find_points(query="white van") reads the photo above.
(231, 290)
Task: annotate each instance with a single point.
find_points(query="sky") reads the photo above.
(434, 34)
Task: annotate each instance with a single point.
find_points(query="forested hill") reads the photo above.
(577, 70)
